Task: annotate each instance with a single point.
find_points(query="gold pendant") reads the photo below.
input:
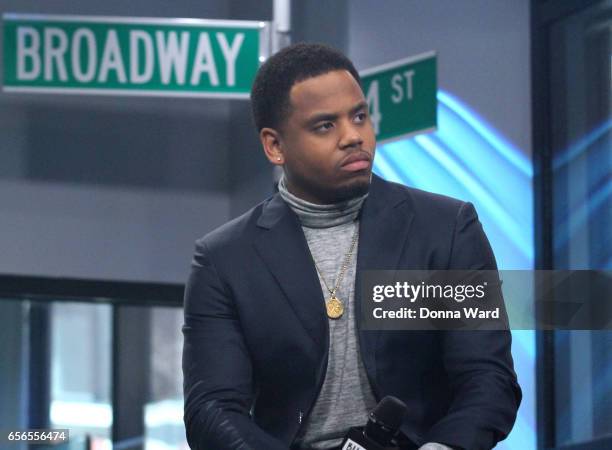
(335, 309)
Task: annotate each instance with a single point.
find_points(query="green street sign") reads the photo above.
(402, 96)
(132, 56)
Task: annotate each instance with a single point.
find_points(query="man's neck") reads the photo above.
(313, 215)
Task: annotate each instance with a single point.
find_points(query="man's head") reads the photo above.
(313, 120)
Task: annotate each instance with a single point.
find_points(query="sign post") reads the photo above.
(132, 56)
(402, 96)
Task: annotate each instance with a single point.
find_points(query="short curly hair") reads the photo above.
(274, 79)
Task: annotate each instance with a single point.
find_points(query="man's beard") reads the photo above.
(357, 187)
(343, 193)
(347, 192)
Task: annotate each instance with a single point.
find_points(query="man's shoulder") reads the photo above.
(424, 203)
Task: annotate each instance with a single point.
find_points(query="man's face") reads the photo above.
(327, 142)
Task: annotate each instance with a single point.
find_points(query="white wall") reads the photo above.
(483, 51)
(102, 233)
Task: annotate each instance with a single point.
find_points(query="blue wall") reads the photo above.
(467, 158)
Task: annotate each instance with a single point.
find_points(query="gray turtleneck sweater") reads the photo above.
(346, 397)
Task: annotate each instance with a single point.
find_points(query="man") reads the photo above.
(274, 356)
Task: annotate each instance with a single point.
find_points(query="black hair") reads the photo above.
(274, 79)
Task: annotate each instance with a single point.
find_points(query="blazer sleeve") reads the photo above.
(479, 365)
(217, 383)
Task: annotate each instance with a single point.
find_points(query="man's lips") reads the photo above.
(356, 161)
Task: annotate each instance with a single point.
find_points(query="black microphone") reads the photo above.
(383, 424)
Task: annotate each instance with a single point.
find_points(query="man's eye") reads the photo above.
(361, 117)
(324, 126)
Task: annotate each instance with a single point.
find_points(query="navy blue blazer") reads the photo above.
(256, 331)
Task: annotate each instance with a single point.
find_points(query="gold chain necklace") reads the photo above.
(334, 306)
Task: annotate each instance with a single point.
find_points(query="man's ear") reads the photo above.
(271, 142)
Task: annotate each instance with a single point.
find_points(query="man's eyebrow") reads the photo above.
(322, 117)
(361, 105)
(331, 116)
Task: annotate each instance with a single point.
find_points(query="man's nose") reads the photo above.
(351, 137)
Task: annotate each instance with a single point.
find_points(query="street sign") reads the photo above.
(402, 96)
(132, 56)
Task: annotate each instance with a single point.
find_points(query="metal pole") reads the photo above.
(282, 24)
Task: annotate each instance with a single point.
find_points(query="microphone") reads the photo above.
(382, 426)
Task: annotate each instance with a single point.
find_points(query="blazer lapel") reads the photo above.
(285, 251)
(384, 228)
(386, 218)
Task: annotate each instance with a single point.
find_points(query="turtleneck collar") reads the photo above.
(312, 215)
